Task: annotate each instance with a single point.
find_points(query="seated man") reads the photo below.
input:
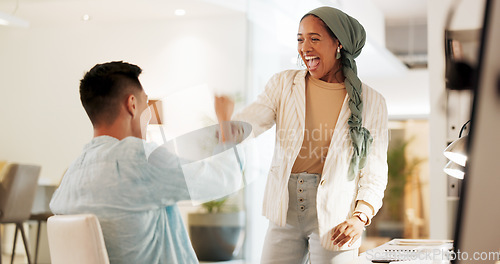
(134, 199)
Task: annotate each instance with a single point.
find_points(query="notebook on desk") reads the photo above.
(411, 251)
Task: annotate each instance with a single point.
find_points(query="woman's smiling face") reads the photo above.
(318, 49)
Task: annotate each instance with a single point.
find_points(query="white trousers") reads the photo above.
(298, 242)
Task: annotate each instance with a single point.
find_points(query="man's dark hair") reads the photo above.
(103, 88)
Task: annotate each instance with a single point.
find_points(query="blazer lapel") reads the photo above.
(299, 95)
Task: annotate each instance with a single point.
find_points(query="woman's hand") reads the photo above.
(349, 230)
(224, 108)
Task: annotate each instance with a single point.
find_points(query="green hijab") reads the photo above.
(352, 36)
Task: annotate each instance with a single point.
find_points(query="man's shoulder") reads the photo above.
(101, 149)
(102, 153)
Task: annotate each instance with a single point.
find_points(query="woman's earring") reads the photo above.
(338, 53)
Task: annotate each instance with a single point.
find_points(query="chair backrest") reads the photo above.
(76, 239)
(2, 164)
(17, 192)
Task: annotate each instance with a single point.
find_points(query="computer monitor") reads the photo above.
(477, 233)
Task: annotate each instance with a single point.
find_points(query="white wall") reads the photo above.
(42, 119)
(406, 94)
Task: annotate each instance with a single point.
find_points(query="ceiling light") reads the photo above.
(10, 20)
(86, 17)
(180, 12)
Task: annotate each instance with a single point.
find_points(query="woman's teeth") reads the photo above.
(310, 57)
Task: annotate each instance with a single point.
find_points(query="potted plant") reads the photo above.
(217, 231)
(400, 171)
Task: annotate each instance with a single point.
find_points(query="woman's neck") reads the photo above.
(334, 77)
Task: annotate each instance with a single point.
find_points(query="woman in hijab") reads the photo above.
(329, 170)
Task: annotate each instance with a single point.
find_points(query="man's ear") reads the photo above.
(131, 105)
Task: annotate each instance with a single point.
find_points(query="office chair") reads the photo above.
(17, 194)
(76, 239)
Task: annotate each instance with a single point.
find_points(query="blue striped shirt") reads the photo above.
(135, 200)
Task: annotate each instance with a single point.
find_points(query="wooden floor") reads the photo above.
(21, 259)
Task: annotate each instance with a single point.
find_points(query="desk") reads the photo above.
(43, 196)
(38, 230)
(414, 251)
(41, 205)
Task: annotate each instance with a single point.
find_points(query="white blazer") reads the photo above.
(283, 103)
